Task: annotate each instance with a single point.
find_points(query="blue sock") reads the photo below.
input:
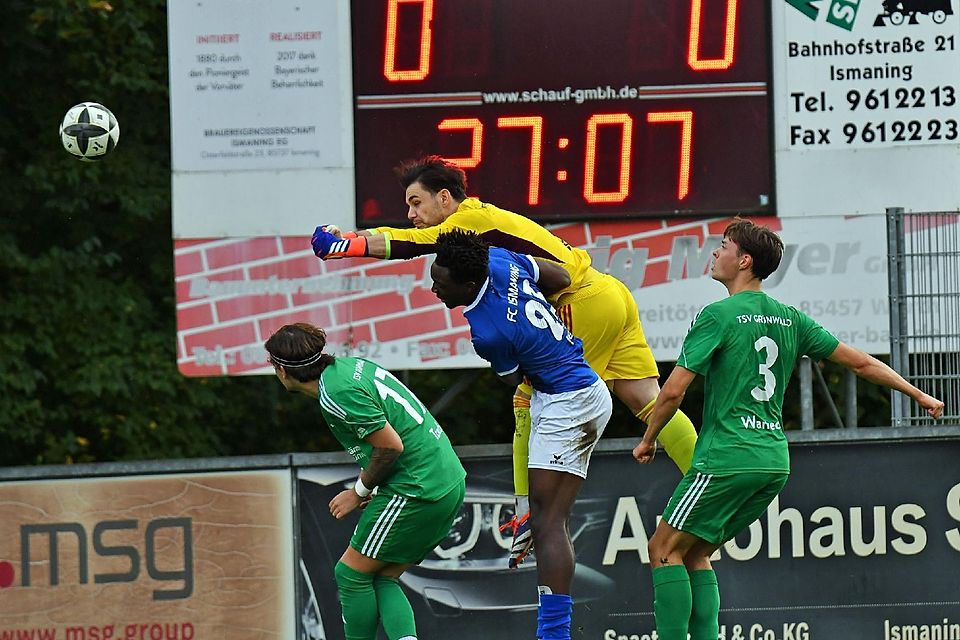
(554, 616)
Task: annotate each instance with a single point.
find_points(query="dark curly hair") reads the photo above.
(465, 254)
(434, 173)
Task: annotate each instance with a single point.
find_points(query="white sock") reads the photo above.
(523, 505)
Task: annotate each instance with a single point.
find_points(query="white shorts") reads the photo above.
(565, 427)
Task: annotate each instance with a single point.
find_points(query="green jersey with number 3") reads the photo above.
(746, 347)
(358, 397)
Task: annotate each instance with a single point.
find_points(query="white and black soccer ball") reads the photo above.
(89, 131)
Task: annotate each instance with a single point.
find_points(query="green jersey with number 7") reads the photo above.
(743, 404)
(358, 397)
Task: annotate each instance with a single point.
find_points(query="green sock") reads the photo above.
(705, 616)
(358, 601)
(396, 614)
(672, 601)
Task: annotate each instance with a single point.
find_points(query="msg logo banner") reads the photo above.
(148, 557)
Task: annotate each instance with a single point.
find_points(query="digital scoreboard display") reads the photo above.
(565, 109)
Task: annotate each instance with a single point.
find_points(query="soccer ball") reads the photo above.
(89, 131)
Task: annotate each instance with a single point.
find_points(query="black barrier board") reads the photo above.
(863, 543)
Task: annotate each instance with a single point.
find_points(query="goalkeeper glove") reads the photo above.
(326, 245)
(335, 230)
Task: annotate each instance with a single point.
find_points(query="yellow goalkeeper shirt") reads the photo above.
(499, 228)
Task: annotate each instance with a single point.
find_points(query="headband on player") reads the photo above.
(293, 364)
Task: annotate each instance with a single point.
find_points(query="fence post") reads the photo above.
(806, 394)
(896, 284)
(850, 399)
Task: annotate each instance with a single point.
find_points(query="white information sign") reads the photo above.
(255, 89)
(867, 105)
(261, 121)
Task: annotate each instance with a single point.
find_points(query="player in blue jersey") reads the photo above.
(518, 332)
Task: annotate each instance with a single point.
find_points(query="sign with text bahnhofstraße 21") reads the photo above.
(837, 555)
(865, 103)
(232, 293)
(174, 556)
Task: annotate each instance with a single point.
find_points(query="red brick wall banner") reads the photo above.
(232, 293)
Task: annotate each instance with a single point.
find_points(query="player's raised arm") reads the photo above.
(869, 368)
(329, 243)
(385, 244)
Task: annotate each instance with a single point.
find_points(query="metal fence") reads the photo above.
(923, 251)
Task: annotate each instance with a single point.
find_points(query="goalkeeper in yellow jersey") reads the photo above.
(596, 307)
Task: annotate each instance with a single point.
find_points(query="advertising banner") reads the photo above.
(233, 293)
(164, 557)
(866, 102)
(846, 551)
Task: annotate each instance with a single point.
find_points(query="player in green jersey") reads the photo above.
(411, 483)
(746, 347)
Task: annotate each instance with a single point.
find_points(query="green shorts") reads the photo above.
(716, 508)
(402, 530)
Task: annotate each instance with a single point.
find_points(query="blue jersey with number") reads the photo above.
(516, 329)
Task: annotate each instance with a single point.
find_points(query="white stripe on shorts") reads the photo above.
(688, 501)
(382, 526)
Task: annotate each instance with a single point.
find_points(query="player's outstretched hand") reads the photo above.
(322, 241)
(644, 452)
(332, 228)
(933, 406)
(344, 503)
(326, 245)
